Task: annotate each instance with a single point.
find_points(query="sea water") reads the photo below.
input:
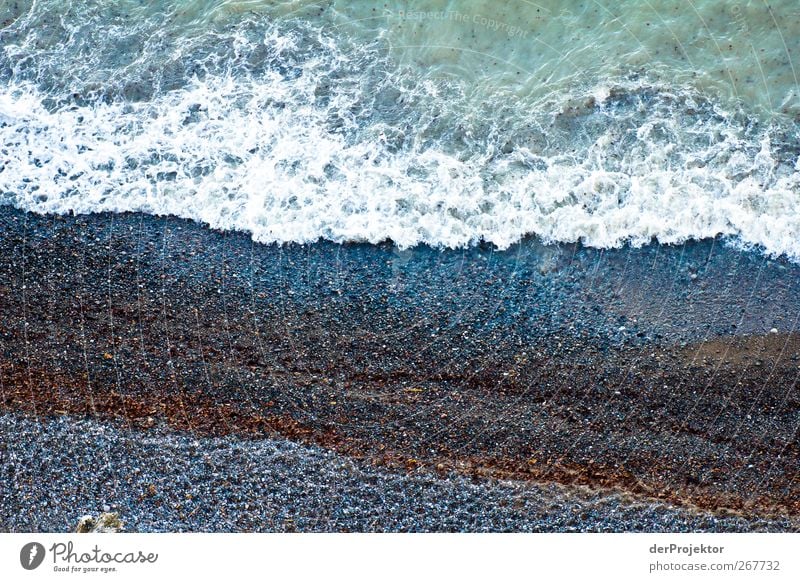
(430, 121)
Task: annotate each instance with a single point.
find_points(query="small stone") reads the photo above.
(108, 523)
(85, 524)
(105, 523)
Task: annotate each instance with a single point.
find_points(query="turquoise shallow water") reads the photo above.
(421, 122)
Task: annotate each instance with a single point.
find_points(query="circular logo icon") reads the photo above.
(31, 555)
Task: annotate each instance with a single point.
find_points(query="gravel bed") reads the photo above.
(54, 471)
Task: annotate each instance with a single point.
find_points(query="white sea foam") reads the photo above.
(339, 144)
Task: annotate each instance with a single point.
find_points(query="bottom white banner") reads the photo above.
(399, 556)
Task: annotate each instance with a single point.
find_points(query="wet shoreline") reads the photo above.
(668, 373)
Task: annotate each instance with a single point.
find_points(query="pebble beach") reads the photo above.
(194, 380)
(346, 266)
